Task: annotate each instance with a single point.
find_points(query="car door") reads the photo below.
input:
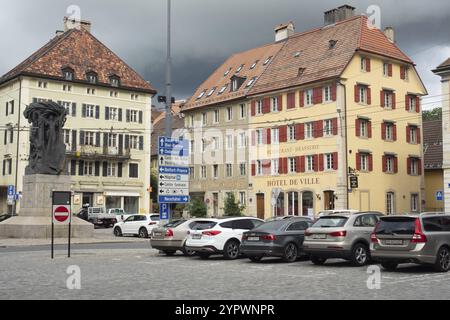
(242, 225)
(127, 225)
(365, 225)
(296, 232)
(139, 221)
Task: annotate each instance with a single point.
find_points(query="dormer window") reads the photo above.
(236, 83)
(92, 77)
(68, 74)
(267, 60)
(114, 81)
(332, 44)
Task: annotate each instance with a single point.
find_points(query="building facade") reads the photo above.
(108, 126)
(443, 70)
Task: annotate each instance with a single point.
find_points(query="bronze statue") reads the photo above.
(47, 147)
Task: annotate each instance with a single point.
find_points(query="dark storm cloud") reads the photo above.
(206, 32)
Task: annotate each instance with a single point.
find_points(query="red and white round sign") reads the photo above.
(61, 214)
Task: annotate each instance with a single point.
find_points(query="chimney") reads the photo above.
(338, 14)
(390, 34)
(284, 31)
(76, 24)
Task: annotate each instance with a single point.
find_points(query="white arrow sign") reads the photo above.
(174, 192)
(173, 177)
(175, 161)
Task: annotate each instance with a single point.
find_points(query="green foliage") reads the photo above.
(154, 184)
(232, 207)
(197, 208)
(434, 114)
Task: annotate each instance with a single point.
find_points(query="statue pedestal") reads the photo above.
(35, 216)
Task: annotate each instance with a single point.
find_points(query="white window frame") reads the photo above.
(414, 202)
(259, 137)
(259, 168)
(229, 142)
(327, 94)
(275, 167)
(216, 116)
(309, 130)
(309, 163)
(134, 142)
(291, 132)
(111, 170)
(229, 114)
(274, 104)
(242, 111)
(113, 114)
(389, 131)
(229, 170)
(308, 96)
(112, 140)
(89, 168)
(243, 169)
(242, 140)
(328, 128)
(259, 107)
(292, 165)
(275, 136)
(363, 128)
(364, 162)
(329, 161)
(363, 94)
(90, 111)
(134, 116)
(89, 138)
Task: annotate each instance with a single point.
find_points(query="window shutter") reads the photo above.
(127, 142)
(97, 112)
(253, 107)
(300, 131)
(335, 126)
(81, 138)
(334, 92)
(81, 168)
(120, 114)
(280, 103)
(356, 93)
(358, 127)
(74, 140)
(394, 100)
(419, 166)
(321, 163)
(402, 73)
(141, 143)
(11, 135)
(369, 96)
(390, 69)
(83, 111)
(395, 165)
(383, 159)
(383, 131)
(368, 68)
(253, 168)
(128, 116)
(97, 168)
(285, 165)
(267, 137)
(73, 167)
(291, 100)
(283, 134)
(394, 132)
(317, 95)
(105, 140)
(370, 158)
(418, 104)
(407, 103)
(120, 144)
(119, 169)
(7, 107)
(74, 109)
(418, 137)
(300, 164)
(382, 97)
(335, 161)
(141, 117)
(253, 138)
(408, 140)
(302, 99)
(318, 132)
(97, 139)
(369, 129)
(266, 105)
(105, 169)
(106, 113)
(12, 107)
(4, 167)
(316, 162)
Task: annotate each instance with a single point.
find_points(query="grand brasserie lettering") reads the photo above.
(290, 150)
(293, 182)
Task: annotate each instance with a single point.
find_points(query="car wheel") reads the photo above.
(442, 263)
(255, 258)
(169, 252)
(203, 255)
(360, 255)
(231, 250)
(117, 232)
(318, 261)
(188, 253)
(389, 266)
(290, 253)
(143, 233)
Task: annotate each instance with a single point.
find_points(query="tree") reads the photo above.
(197, 208)
(433, 114)
(154, 184)
(232, 207)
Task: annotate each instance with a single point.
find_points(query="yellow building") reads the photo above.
(338, 101)
(107, 133)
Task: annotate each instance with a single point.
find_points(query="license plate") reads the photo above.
(158, 234)
(319, 236)
(196, 236)
(393, 242)
(253, 238)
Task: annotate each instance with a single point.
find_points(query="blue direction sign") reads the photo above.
(164, 211)
(174, 199)
(439, 196)
(174, 170)
(11, 191)
(171, 147)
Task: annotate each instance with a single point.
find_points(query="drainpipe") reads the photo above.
(14, 213)
(344, 131)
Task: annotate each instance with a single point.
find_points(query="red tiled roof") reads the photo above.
(432, 142)
(82, 52)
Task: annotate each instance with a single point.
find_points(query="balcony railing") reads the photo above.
(98, 153)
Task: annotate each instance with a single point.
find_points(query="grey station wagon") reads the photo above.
(421, 239)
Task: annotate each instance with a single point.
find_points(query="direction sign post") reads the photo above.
(61, 215)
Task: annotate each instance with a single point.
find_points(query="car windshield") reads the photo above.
(330, 222)
(203, 225)
(174, 224)
(154, 218)
(272, 225)
(399, 225)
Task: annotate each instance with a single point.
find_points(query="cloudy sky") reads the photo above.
(206, 32)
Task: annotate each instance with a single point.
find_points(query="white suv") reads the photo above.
(137, 225)
(219, 236)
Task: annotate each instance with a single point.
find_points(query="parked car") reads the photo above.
(97, 216)
(220, 236)
(420, 239)
(278, 238)
(120, 214)
(173, 236)
(345, 236)
(343, 211)
(137, 225)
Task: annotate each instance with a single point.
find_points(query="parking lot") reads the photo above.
(133, 271)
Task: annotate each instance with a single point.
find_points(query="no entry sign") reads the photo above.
(61, 214)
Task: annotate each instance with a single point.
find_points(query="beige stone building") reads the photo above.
(108, 127)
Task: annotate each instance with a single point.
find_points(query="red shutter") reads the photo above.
(283, 134)
(402, 73)
(419, 138)
(299, 164)
(368, 65)
(395, 165)
(358, 127)
(419, 166)
(317, 95)
(321, 164)
(334, 92)
(369, 95)
(383, 159)
(280, 103)
(407, 102)
(253, 138)
(369, 129)
(356, 93)
(358, 161)
(383, 131)
(370, 157)
(394, 132)
(390, 70)
(418, 104)
(291, 101)
(268, 137)
(300, 131)
(280, 166)
(394, 100)
(382, 97)
(253, 168)
(407, 135)
(335, 126)
(253, 108)
(316, 162)
(318, 132)
(285, 165)
(302, 99)
(408, 165)
(335, 161)
(302, 164)
(266, 105)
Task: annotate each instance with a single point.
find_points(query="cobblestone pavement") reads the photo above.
(144, 274)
